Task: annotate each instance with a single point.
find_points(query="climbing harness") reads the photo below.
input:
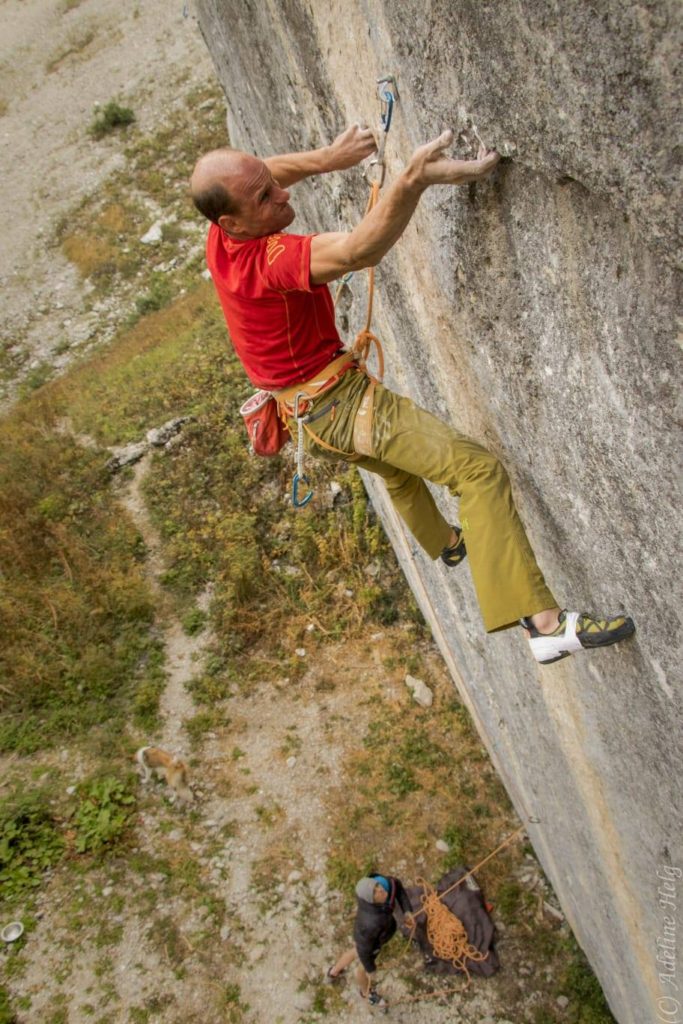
(387, 92)
(446, 932)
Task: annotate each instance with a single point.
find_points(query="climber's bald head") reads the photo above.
(238, 193)
(213, 180)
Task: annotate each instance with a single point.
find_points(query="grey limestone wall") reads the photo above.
(537, 313)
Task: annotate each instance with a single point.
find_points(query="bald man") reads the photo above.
(272, 285)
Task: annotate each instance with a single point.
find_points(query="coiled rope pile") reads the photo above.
(446, 932)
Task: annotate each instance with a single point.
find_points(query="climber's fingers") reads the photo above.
(430, 166)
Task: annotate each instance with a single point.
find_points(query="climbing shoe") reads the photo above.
(457, 552)
(576, 631)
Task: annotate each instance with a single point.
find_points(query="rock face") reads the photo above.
(536, 312)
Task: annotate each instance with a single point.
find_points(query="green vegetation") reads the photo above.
(109, 118)
(103, 814)
(6, 1014)
(587, 1004)
(30, 843)
(231, 1004)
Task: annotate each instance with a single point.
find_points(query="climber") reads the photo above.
(272, 286)
(375, 924)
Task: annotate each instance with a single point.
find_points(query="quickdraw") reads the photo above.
(299, 476)
(387, 91)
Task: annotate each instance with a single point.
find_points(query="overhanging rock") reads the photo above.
(536, 312)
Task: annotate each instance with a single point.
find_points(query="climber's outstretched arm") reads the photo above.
(337, 253)
(348, 149)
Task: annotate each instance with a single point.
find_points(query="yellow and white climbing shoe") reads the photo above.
(577, 631)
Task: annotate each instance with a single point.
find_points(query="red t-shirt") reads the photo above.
(282, 326)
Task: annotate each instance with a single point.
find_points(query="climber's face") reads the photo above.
(380, 895)
(262, 206)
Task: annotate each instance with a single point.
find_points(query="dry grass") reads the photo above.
(75, 48)
(92, 255)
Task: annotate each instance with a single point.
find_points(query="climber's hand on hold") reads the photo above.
(429, 164)
(348, 149)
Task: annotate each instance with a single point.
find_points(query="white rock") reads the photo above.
(422, 695)
(293, 876)
(153, 236)
(126, 455)
(107, 891)
(552, 912)
(291, 761)
(71, 790)
(442, 845)
(225, 932)
(562, 1002)
(300, 652)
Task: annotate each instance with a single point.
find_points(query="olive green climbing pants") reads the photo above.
(410, 446)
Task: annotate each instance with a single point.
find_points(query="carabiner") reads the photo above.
(387, 90)
(387, 101)
(367, 171)
(295, 491)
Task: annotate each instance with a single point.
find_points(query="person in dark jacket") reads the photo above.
(377, 896)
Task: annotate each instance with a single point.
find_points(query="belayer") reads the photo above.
(272, 286)
(378, 897)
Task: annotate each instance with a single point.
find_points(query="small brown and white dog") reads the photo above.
(166, 766)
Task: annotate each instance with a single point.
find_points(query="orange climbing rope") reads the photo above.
(446, 932)
(365, 337)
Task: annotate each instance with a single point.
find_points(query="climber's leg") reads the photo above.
(504, 569)
(413, 501)
(333, 417)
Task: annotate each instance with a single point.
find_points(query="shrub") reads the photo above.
(109, 118)
(103, 814)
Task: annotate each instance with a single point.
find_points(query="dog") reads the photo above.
(166, 766)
